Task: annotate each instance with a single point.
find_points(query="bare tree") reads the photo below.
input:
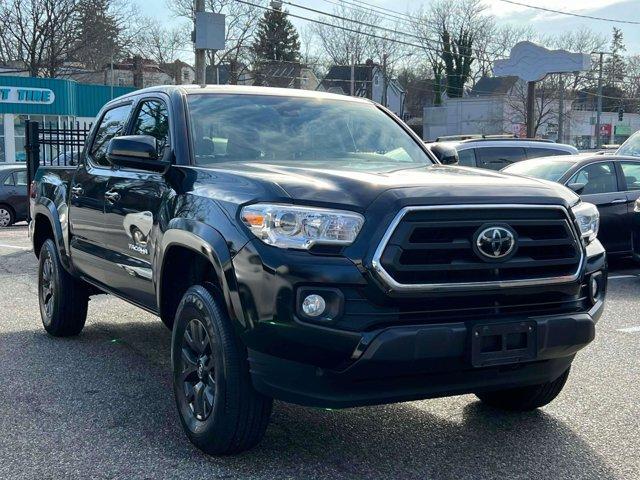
(632, 81)
(39, 34)
(582, 40)
(241, 21)
(546, 103)
(448, 32)
(159, 43)
(350, 40)
(494, 42)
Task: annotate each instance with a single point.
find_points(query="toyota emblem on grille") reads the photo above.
(495, 243)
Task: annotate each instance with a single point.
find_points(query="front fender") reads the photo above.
(207, 241)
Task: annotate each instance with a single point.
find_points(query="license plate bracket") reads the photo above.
(503, 343)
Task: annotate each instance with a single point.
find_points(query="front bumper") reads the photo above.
(422, 361)
(354, 362)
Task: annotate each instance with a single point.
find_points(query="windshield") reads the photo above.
(545, 169)
(301, 131)
(631, 147)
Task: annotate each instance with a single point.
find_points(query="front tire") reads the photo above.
(63, 299)
(219, 409)
(525, 399)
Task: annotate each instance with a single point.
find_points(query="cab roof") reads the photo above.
(245, 90)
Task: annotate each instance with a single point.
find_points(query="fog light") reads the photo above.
(313, 305)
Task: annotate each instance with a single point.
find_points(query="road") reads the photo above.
(101, 406)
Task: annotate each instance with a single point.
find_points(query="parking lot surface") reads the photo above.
(101, 406)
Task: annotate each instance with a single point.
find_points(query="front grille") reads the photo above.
(433, 247)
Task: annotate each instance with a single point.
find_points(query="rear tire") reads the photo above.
(63, 299)
(7, 216)
(219, 409)
(525, 398)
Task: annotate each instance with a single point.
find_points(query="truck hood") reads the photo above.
(437, 184)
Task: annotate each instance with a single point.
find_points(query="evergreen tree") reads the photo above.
(614, 66)
(276, 39)
(99, 34)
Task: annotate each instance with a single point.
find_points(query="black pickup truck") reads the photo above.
(307, 247)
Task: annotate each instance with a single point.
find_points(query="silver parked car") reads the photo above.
(496, 152)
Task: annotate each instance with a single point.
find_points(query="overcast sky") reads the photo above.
(545, 23)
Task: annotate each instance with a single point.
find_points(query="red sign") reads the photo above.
(605, 130)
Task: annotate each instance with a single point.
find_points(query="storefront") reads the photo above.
(48, 100)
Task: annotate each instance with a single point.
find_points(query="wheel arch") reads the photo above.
(47, 224)
(198, 253)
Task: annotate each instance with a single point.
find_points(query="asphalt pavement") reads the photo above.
(101, 406)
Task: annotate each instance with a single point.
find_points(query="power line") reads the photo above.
(571, 14)
(357, 22)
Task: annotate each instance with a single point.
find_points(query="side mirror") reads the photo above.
(136, 151)
(445, 154)
(577, 187)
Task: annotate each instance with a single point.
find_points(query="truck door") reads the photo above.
(132, 204)
(87, 198)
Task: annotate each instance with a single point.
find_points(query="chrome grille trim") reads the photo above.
(394, 285)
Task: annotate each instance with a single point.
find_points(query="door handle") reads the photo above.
(112, 196)
(618, 200)
(77, 190)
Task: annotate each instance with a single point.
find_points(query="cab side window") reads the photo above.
(596, 178)
(537, 152)
(152, 119)
(496, 158)
(111, 125)
(467, 158)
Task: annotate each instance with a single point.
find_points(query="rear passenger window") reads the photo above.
(544, 152)
(467, 158)
(496, 158)
(111, 125)
(9, 180)
(21, 178)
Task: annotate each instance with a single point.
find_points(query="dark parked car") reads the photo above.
(610, 182)
(14, 205)
(307, 247)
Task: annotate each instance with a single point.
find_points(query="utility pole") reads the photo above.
(599, 112)
(111, 79)
(384, 79)
(561, 112)
(531, 109)
(353, 75)
(200, 53)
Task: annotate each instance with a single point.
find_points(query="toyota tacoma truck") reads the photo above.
(307, 247)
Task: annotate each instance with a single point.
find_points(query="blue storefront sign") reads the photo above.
(42, 96)
(48, 100)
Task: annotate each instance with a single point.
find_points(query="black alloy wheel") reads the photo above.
(198, 369)
(47, 289)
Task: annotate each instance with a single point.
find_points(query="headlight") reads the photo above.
(588, 219)
(287, 226)
(636, 206)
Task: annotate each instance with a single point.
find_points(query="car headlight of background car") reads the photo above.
(588, 219)
(288, 226)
